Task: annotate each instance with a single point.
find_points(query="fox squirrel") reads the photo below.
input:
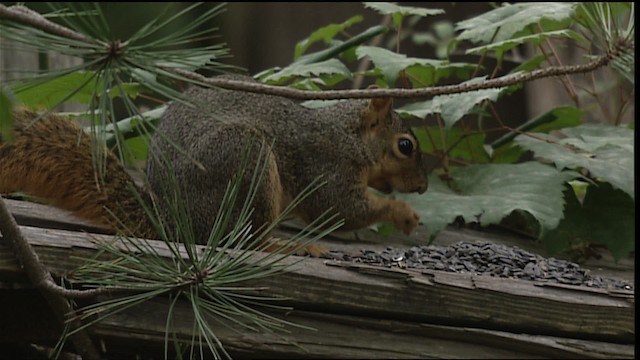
(354, 144)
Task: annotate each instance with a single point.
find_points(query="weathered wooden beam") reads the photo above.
(358, 310)
(326, 335)
(437, 297)
(38, 215)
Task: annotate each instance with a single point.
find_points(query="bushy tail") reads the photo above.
(51, 159)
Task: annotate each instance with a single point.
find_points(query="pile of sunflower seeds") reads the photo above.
(487, 259)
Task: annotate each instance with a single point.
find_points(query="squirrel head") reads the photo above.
(399, 163)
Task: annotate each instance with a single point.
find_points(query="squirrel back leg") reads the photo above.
(276, 200)
(203, 189)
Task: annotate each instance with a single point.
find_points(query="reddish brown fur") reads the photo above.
(51, 159)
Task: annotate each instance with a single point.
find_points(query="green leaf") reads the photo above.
(391, 64)
(267, 72)
(421, 38)
(342, 47)
(441, 37)
(398, 12)
(325, 33)
(52, 92)
(318, 83)
(611, 214)
(513, 20)
(451, 107)
(6, 116)
(579, 187)
(327, 67)
(570, 229)
(562, 117)
(558, 118)
(529, 64)
(386, 8)
(139, 147)
(190, 62)
(306, 84)
(501, 47)
(505, 154)
(423, 76)
(487, 193)
(590, 137)
(606, 151)
(468, 147)
(384, 229)
(607, 217)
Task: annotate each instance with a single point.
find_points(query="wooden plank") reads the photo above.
(39, 215)
(333, 336)
(325, 335)
(373, 312)
(438, 298)
(553, 347)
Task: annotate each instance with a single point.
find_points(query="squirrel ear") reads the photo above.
(377, 110)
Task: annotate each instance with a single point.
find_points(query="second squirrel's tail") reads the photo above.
(51, 160)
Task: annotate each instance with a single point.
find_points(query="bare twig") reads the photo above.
(566, 81)
(443, 140)
(29, 17)
(398, 93)
(623, 107)
(364, 63)
(601, 103)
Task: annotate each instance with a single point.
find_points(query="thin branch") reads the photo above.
(36, 272)
(602, 105)
(26, 16)
(565, 79)
(364, 63)
(42, 279)
(494, 112)
(443, 140)
(507, 80)
(624, 103)
(483, 56)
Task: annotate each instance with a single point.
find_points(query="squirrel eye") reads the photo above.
(405, 146)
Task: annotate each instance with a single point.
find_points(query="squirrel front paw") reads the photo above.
(404, 217)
